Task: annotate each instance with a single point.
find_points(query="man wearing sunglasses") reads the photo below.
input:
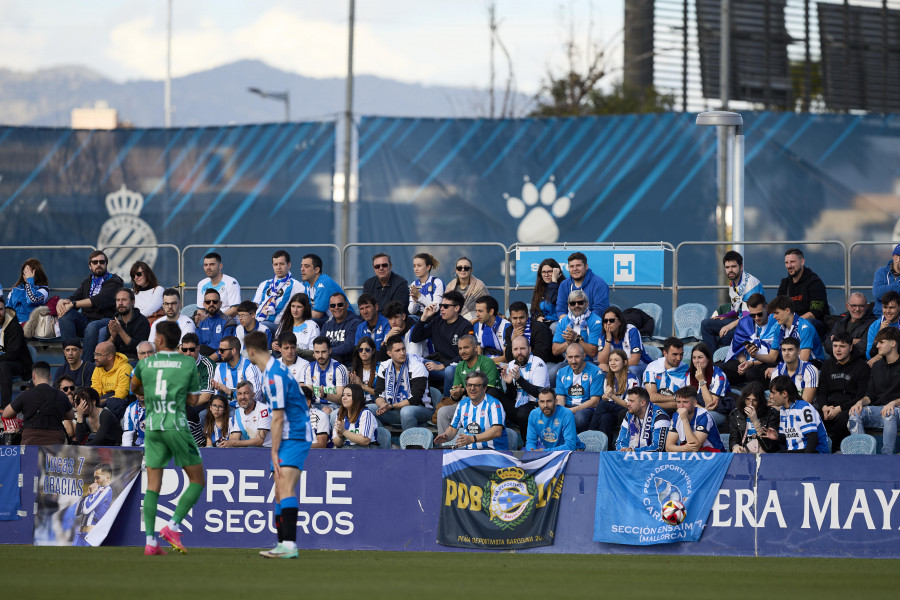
(444, 331)
(751, 347)
(89, 309)
(215, 326)
(206, 371)
(341, 328)
(579, 326)
(386, 286)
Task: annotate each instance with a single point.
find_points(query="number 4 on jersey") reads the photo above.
(160, 386)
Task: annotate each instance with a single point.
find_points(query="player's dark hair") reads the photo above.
(546, 390)
(247, 306)
(287, 337)
(780, 303)
(755, 300)
(212, 255)
(105, 467)
(316, 261)
(733, 256)
(672, 342)
(280, 253)
(841, 336)
(322, 340)
(394, 339)
(518, 306)
(172, 292)
(256, 340)
(41, 369)
(170, 332)
(190, 338)
(212, 291)
(795, 251)
(489, 302)
(784, 384)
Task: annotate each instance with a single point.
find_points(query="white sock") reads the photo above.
(290, 545)
(174, 527)
(151, 540)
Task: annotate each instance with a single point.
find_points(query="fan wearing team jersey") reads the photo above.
(233, 368)
(490, 328)
(800, 430)
(401, 388)
(645, 427)
(804, 375)
(287, 342)
(228, 287)
(318, 287)
(479, 419)
(718, 331)
(524, 376)
(426, 289)
(795, 326)
(579, 386)
(355, 426)
(251, 422)
(272, 295)
(666, 374)
(325, 376)
(694, 429)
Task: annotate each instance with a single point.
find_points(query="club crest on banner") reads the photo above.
(511, 497)
(538, 211)
(126, 228)
(658, 489)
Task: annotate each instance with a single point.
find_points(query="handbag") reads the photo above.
(41, 324)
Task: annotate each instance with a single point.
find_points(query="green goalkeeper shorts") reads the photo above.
(162, 446)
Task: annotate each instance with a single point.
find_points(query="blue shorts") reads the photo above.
(292, 453)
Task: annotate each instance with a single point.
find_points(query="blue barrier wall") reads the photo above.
(839, 506)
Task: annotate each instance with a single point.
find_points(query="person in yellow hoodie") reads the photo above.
(111, 378)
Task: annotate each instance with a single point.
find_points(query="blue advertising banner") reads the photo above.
(622, 265)
(495, 501)
(10, 497)
(648, 498)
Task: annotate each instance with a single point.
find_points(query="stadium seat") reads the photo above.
(655, 311)
(594, 441)
(687, 319)
(725, 437)
(653, 351)
(720, 354)
(830, 451)
(188, 310)
(383, 439)
(515, 442)
(858, 443)
(33, 353)
(416, 436)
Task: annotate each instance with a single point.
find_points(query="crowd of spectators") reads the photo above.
(793, 378)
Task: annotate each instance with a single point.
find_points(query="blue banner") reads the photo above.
(10, 467)
(495, 501)
(636, 491)
(622, 265)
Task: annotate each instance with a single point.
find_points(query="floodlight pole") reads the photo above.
(733, 126)
(348, 128)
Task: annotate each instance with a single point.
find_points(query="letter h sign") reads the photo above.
(623, 268)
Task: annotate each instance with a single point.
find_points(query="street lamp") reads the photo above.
(733, 126)
(284, 96)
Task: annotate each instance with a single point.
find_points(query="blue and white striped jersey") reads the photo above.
(230, 377)
(472, 420)
(284, 394)
(805, 333)
(534, 372)
(740, 291)
(807, 376)
(702, 422)
(272, 297)
(364, 425)
(796, 421)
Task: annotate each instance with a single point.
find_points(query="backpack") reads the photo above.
(644, 322)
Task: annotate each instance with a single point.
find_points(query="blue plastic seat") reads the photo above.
(594, 441)
(383, 440)
(720, 354)
(687, 319)
(653, 351)
(859, 443)
(515, 442)
(655, 311)
(416, 436)
(725, 437)
(188, 310)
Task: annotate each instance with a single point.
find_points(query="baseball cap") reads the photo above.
(72, 342)
(896, 250)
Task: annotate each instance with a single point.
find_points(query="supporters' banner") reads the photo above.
(250, 184)
(80, 492)
(621, 265)
(10, 469)
(656, 498)
(492, 500)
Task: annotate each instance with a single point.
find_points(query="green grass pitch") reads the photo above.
(108, 573)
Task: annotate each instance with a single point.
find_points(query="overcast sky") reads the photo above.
(428, 41)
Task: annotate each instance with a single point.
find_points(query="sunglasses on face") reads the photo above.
(98, 262)
(576, 303)
(463, 268)
(221, 350)
(447, 305)
(756, 315)
(68, 388)
(364, 349)
(337, 305)
(381, 266)
(188, 349)
(210, 302)
(137, 274)
(613, 320)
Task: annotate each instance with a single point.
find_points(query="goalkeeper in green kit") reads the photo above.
(168, 381)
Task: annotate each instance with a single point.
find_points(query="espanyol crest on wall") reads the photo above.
(126, 228)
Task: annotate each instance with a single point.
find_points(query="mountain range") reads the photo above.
(219, 96)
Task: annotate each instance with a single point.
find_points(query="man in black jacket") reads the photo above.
(15, 360)
(129, 327)
(43, 410)
(842, 382)
(95, 298)
(879, 407)
(386, 286)
(805, 289)
(444, 332)
(525, 376)
(536, 332)
(855, 322)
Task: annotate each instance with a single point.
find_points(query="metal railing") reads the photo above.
(853, 246)
(146, 247)
(29, 248)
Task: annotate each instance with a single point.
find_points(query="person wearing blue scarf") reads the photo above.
(273, 295)
(665, 375)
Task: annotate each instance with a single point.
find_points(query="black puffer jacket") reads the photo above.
(737, 425)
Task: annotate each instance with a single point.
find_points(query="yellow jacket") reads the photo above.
(117, 379)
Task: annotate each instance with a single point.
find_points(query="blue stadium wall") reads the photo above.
(615, 179)
(784, 505)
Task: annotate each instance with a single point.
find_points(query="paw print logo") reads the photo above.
(539, 225)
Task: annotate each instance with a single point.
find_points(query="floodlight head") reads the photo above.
(720, 117)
